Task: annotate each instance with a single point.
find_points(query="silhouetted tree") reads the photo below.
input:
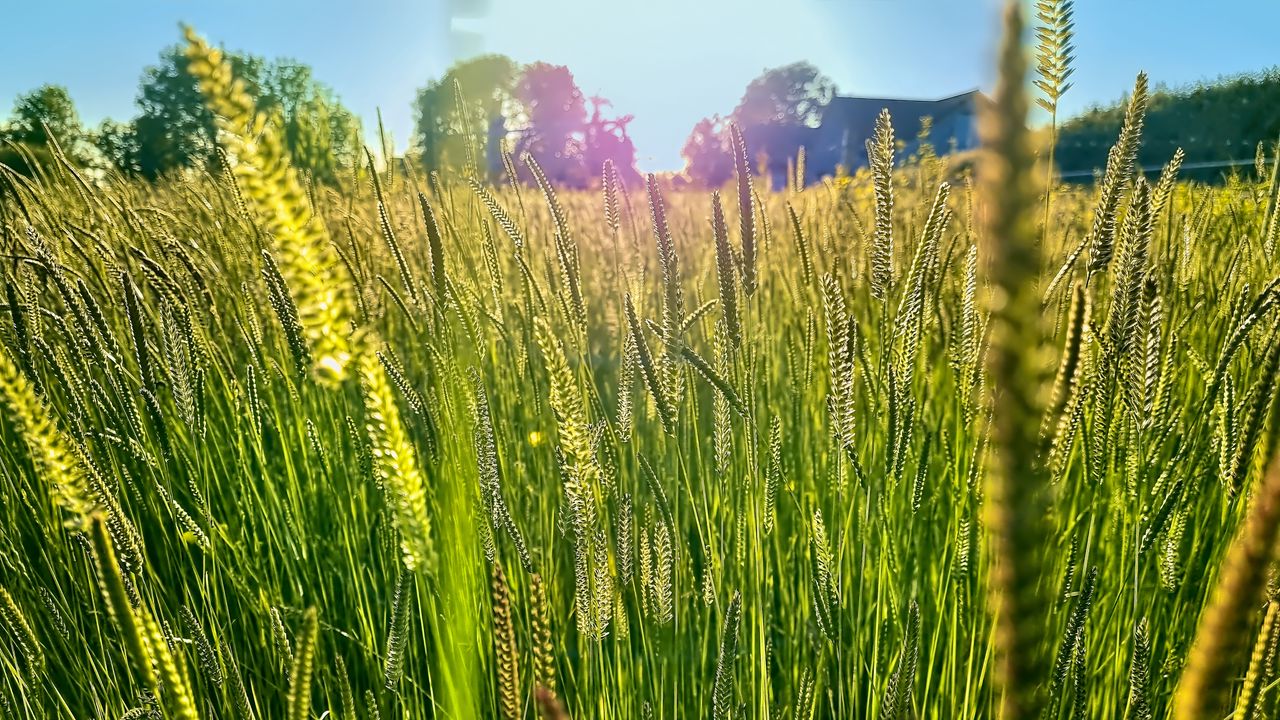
(708, 157)
(607, 139)
(174, 129)
(556, 116)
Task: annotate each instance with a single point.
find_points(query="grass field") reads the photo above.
(907, 444)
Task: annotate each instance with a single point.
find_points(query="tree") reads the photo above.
(779, 106)
(175, 130)
(488, 101)
(44, 113)
(793, 95)
(117, 145)
(322, 135)
(540, 107)
(708, 157)
(556, 114)
(48, 106)
(607, 139)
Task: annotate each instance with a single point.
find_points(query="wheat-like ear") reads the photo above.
(274, 194)
(898, 700)
(1067, 382)
(179, 701)
(570, 410)
(205, 656)
(50, 451)
(500, 215)
(773, 475)
(880, 157)
(544, 664)
(826, 599)
(393, 665)
(1016, 502)
(1072, 635)
(1139, 673)
(802, 244)
(1116, 178)
(672, 297)
(286, 312)
(25, 638)
(578, 465)
(1164, 187)
(649, 371)
(746, 213)
(490, 472)
(722, 690)
(1222, 637)
(345, 694)
(111, 582)
(303, 661)
(1271, 220)
(566, 246)
(435, 243)
(239, 694)
(389, 233)
(1123, 358)
(396, 465)
(504, 647)
(725, 273)
(1054, 51)
(1261, 664)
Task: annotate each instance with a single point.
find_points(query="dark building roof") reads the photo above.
(848, 122)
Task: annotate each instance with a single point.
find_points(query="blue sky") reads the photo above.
(668, 62)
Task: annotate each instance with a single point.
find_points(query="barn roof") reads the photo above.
(852, 119)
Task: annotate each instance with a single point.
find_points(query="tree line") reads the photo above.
(1226, 119)
(174, 130)
(467, 116)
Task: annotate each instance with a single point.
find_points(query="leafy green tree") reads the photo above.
(117, 145)
(175, 130)
(322, 135)
(47, 110)
(44, 113)
(488, 103)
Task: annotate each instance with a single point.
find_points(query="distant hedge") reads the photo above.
(1213, 121)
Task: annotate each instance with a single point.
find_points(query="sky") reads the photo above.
(668, 62)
